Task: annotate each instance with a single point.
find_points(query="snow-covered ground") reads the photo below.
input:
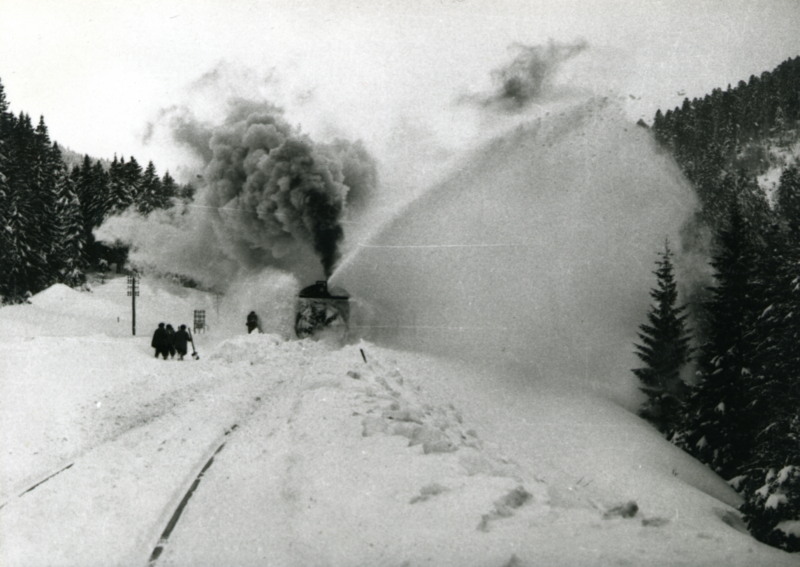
(297, 453)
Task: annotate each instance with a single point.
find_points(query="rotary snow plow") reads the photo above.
(322, 312)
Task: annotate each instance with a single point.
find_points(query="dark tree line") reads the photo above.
(719, 140)
(741, 414)
(48, 212)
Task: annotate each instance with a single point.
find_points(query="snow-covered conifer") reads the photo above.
(720, 426)
(664, 350)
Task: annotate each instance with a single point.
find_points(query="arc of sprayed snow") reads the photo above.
(445, 327)
(487, 245)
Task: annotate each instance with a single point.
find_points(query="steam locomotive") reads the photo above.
(322, 312)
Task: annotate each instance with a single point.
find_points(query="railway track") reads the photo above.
(129, 491)
(176, 515)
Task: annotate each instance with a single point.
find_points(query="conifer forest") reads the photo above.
(48, 210)
(738, 411)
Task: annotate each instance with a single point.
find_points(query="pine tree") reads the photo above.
(3, 102)
(772, 481)
(664, 350)
(776, 503)
(67, 253)
(788, 197)
(752, 202)
(48, 168)
(11, 248)
(30, 186)
(151, 196)
(117, 197)
(8, 248)
(125, 185)
(132, 180)
(14, 250)
(719, 426)
(98, 200)
(30, 169)
(169, 189)
(92, 188)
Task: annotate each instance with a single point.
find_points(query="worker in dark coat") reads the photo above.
(160, 341)
(182, 338)
(171, 340)
(252, 322)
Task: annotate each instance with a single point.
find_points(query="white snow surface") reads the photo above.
(314, 456)
(791, 527)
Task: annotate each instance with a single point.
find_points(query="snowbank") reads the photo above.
(268, 451)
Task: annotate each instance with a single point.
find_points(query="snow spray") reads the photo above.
(528, 77)
(537, 252)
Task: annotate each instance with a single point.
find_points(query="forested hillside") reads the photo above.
(740, 417)
(48, 209)
(726, 140)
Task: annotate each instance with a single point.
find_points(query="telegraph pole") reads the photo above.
(133, 291)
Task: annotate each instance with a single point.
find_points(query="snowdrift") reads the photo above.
(269, 451)
(537, 251)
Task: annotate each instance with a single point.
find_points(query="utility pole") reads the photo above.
(133, 291)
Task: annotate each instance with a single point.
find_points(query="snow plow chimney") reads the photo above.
(322, 311)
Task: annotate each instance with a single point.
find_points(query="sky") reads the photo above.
(103, 72)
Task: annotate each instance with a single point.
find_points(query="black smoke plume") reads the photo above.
(268, 197)
(528, 77)
(287, 189)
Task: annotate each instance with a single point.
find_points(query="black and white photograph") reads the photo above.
(399, 283)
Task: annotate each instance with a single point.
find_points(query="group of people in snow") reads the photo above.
(168, 342)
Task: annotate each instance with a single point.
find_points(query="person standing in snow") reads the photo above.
(160, 341)
(171, 340)
(182, 339)
(252, 322)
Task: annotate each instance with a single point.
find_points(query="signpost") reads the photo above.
(199, 320)
(133, 291)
